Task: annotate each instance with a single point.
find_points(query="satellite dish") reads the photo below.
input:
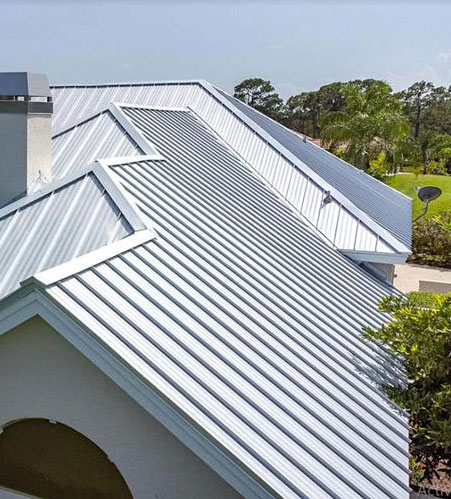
(428, 193)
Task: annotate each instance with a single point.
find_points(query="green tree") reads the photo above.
(422, 338)
(416, 99)
(371, 123)
(439, 149)
(428, 109)
(260, 95)
(306, 109)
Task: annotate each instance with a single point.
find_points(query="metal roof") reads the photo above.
(55, 226)
(388, 207)
(246, 321)
(372, 226)
(98, 137)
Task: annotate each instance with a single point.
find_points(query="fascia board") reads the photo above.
(335, 193)
(83, 262)
(375, 257)
(18, 308)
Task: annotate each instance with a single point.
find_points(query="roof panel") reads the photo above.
(99, 137)
(386, 206)
(65, 223)
(385, 212)
(247, 321)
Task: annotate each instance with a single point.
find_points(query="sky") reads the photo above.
(297, 45)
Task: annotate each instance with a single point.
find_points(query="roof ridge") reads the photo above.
(129, 83)
(67, 269)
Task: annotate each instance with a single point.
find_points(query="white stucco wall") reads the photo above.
(25, 145)
(43, 376)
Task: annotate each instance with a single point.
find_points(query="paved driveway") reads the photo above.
(408, 277)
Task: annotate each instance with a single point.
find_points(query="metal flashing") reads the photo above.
(67, 269)
(148, 148)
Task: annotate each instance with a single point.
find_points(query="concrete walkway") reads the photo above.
(413, 277)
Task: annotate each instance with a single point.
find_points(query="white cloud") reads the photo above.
(443, 57)
(437, 70)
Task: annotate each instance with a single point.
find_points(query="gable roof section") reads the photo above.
(357, 226)
(385, 205)
(244, 321)
(100, 136)
(66, 219)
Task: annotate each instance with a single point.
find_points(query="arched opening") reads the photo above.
(51, 460)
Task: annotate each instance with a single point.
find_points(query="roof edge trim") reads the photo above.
(118, 194)
(29, 302)
(83, 262)
(340, 198)
(375, 257)
(149, 149)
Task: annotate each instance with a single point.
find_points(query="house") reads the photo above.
(183, 287)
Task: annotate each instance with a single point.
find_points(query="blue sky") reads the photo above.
(298, 45)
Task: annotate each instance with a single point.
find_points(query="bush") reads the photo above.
(423, 298)
(432, 237)
(436, 168)
(421, 336)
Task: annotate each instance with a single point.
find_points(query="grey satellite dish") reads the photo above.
(426, 194)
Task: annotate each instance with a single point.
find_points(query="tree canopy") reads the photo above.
(260, 95)
(365, 122)
(370, 124)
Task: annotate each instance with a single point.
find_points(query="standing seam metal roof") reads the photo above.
(389, 208)
(349, 222)
(46, 230)
(98, 137)
(247, 322)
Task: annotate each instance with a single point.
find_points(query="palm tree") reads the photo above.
(371, 123)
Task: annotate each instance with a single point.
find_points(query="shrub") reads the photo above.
(421, 336)
(431, 236)
(423, 298)
(436, 168)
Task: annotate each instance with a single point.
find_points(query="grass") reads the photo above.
(405, 183)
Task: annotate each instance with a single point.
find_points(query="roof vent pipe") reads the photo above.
(25, 133)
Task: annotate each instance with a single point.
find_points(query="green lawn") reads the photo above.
(406, 184)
